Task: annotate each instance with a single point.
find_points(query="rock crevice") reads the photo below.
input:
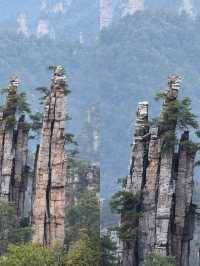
(164, 179)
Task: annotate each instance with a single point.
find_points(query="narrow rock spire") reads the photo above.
(7, 118)
(137, 170)
(20, 168)
(163, 179)
(49, 199)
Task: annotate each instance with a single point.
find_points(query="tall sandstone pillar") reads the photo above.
(13, 151)
(183, 203)
(137, 173)
(49, 199)
(7, 117)
(166, 183)
(163, 178)
(147, 223)
(20, 168)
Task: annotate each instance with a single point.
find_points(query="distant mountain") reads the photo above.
(77, 19)
(55, 18)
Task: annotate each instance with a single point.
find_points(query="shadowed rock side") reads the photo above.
(13, 152)
(195, 245)
(49, 199)
(6, 143)
(183, 224)
(136, 178)
(20, 167)
(164, 180)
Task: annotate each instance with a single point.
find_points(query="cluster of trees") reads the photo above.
(83, 244)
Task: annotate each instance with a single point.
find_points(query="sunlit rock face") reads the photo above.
(13, 152)
(49, 198)
(163, 179)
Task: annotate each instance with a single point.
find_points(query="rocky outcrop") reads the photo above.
(136, 178)
(20, 166)
(194, 259)
(164, 180)
(183, 203)
(49, 199)
(13, 151)
(147, 222)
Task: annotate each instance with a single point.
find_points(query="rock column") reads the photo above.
(49, 200)
(137, 173)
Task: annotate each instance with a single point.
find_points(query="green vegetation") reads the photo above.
(175, 118)
(108, 251)
(15, 105)
(83, 217)
(160, 261)
(127, 206)
(83, 253)
(11, 230)
(30, 254)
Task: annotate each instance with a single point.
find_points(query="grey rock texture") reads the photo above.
(13, 153)
(49, 198)
(194, 259)
(135, 181)
(164, 179)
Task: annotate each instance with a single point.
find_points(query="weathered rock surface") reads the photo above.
(136, 178)
(194, 258)
(13, 152)
(164, 179)
(20, 167)
(147, 223)
(49, 200)
(183, 203)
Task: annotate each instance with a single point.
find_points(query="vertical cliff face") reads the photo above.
(20, 167)
(13, 151)
(194, 259)
(6, 142)
(137, 173)
(147, 222)
(183, 203)
(164, 179)
(49, 200)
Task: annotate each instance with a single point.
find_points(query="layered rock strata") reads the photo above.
(49, 199)
(13, 152)
(135, 181)
(163, 178)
